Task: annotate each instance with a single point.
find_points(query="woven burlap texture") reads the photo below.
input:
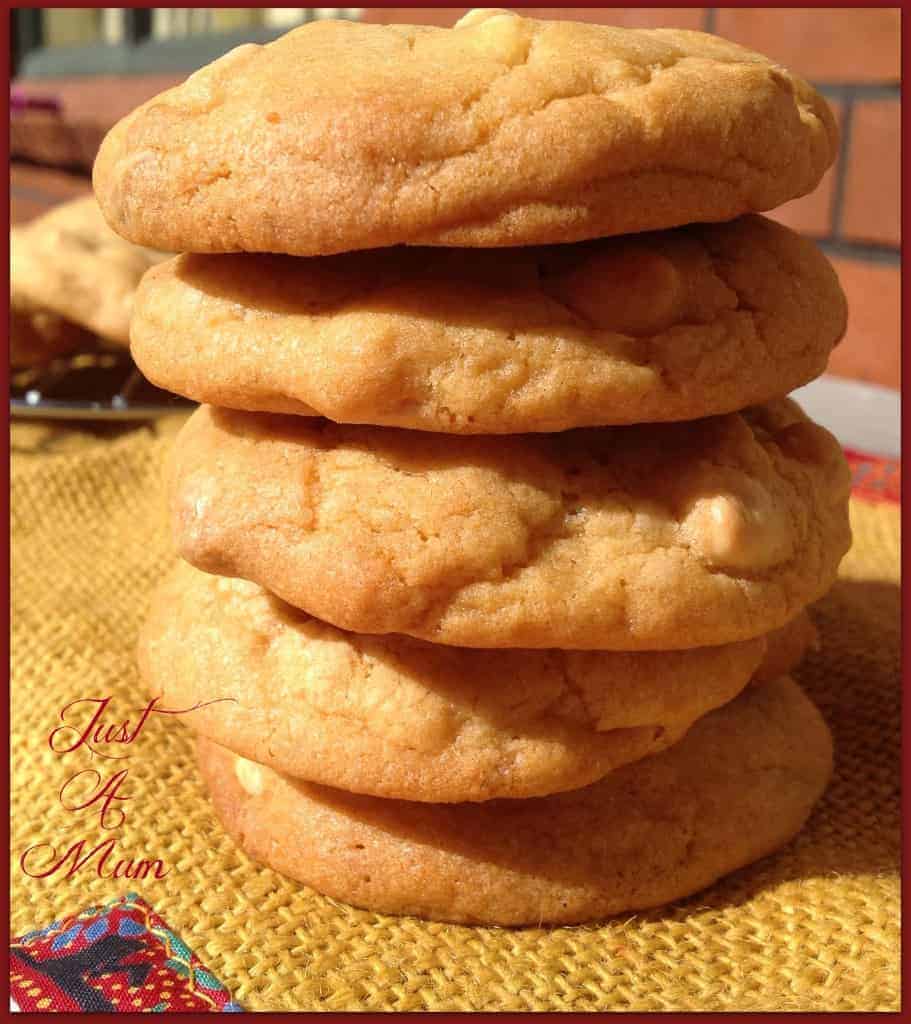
(815, 927)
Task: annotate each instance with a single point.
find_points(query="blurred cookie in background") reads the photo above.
(72, 282)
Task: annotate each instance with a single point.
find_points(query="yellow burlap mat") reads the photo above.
(815, 927)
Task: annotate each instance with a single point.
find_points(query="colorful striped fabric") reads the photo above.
(874, 477)
(116, 958)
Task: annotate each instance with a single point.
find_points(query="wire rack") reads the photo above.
(89, 386)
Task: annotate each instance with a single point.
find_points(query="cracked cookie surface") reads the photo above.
(501, 131)
(671, 325)
(624, 538)
(397, 717)
(738, 786)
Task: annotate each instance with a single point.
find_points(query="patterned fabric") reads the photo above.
(874, 477)
(120, 957)
(815, 927)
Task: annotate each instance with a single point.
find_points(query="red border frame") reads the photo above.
(906, 563)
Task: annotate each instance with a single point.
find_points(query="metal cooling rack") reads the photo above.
(89, 386)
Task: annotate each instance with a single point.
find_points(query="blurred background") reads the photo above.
(77, 70)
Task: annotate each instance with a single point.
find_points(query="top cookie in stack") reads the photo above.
(618, 175)
(503, 131)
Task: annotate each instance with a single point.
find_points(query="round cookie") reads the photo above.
(70, 264)
(672, 325)
(621, 538)
(738, 786)
(397, 717)
(502, 131)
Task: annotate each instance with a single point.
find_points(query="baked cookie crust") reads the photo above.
(672, 325)
(501, 131)
(396, 717)
(738, 786)
(621, 538)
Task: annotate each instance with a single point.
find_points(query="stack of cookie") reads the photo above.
(486, 537)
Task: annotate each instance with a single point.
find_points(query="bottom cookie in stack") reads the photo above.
(486, 786)
(739, 785)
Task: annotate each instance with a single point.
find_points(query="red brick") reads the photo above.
(812, 214)
(625, 17)
(871, 349)
(631, 17)
(872, 203)
(824, 44)
(443, 16)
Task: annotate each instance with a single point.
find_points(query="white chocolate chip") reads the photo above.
(200, 494)
(477, 15)
(500, 36)
(734, 532)
(635, 291)
(249, 775)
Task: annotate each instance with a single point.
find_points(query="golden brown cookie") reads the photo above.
(672, 325)
(397, 717)
(68, 264)
(738, 786)
(620, 538)
(501, 131)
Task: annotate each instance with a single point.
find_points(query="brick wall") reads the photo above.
(852, 55)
